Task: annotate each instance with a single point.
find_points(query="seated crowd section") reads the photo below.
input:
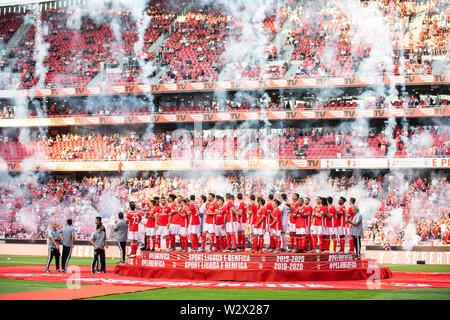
(345, 141)
(318, 39)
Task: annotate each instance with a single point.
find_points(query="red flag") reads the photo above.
(120, 167)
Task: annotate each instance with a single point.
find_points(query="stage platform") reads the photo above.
(253, 267)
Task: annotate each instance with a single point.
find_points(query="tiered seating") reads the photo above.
(9, 23)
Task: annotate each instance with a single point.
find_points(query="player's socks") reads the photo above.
(167, 243)
(297, 243)
(192, 236)
(261, 243)
(134, 247)
(212, 241)
(321, 246)
(302, 243)
(255, 243)
(223, 242)
(233, 239)
(148, 243)
(203, 241)
(158, 241)
(351, 244)
(314, 242)
(292, 242)
(335, 244)
(229, 241)
(279, 243)
(342, 244)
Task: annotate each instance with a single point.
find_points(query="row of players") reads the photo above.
(226, 221)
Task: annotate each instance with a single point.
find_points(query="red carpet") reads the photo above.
(399, 280)
(82, 292)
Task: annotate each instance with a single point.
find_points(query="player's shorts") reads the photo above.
(232, 227)
(292, 227)
(326, 231)
(258, 231)
(174, 229)
(338, 231)
(194, 229)
(150, 232)
(347, 231)
(182, 231)
(308, 230)
(162, 231)
(284, 227)
(250, 228)
(219, 231)
(300, 231)
(133, 235)
(208, 227)
(316, 230)
(275, 232)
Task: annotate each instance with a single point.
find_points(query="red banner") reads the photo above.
(240, 85)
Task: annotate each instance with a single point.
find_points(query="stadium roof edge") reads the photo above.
(58, 3)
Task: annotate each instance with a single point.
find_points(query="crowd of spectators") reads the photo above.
(237, 143)
(27, 209)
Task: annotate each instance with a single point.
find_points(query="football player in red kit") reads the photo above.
(300, 224)
(133, 220)
(162, 223)
(259, 226)
(292, 227)
(242, 221)
(316, 226)
(308, 210)
(331, 225)
(231, 225)
(194, 223)
(275, 225)
(348, 228)
(219, 224)
(183, 213)
(175, 221)
(341, 212)
(210, 211)
(253, 209)
(150, 230)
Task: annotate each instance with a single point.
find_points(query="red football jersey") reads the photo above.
(340, 221)
(277, 214)
(230, 216)
(133, 217)
(211, 207)
(294, 207)
(183, 221)
(163, 216)
(243, 207)
(223, 211)
(324, 209)
(175, 218)
(331, 221)
(316, 221)
(261, 213)
(194, 218)
(300, 222)
(253, 209)
(308, 210)
(351, 214)
(151, 213)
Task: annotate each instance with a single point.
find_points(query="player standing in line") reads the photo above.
(325, 230)
(183, 212)
(300, 225)
(285, 210)
(316, 227)
(275, 226)
(133, 220)
(231, 225)
(219, 224)
(260, 226)
(269, 207)
(253, 209)
(308, 210)
(292, 227)
(332, 222)
(348, 228)
(201, 213)
(162, 223)
(242, 221)
(210, 211)
(145, 207)
(341, 213)
(150, 228)
(194, 223)
(53, 239)
(174, 221)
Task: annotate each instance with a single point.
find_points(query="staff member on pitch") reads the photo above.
(98, 240)
(68, 242)
(357, 230)
(121, 230)
(53, 237)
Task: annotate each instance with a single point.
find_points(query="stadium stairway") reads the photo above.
(415, 25)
